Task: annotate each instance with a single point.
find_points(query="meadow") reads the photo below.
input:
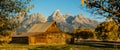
(83, 45)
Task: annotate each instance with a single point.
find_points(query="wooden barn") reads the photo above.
(42, 33)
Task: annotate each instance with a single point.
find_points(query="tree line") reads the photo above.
(104, 31)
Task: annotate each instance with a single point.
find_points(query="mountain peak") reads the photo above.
(56, 16)
(57, 13)
(80, 16)
(57, 10)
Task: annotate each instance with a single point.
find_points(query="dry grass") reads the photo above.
(50, 47)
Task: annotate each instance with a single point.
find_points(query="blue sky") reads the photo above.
(47, 7)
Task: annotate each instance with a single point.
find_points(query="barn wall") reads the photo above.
(37, 39)
(47, 38)
(22, 40)
(31, 40)
(53, 28)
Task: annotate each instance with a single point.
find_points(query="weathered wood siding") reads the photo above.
(53, 28)
(47, 38)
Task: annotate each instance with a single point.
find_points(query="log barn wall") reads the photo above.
(42, 33)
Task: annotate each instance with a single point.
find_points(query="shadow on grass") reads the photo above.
(99, 44)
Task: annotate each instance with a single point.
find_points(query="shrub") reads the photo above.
(85, 33)
(107, 31)
(5, 37)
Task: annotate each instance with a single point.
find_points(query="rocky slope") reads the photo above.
(29, 21)
(65, 22)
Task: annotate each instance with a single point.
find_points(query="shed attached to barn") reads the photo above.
(42, 33)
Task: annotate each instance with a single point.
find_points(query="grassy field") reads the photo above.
(58, 47)
(80, 45)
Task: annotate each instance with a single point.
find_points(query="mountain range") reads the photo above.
(66, 22)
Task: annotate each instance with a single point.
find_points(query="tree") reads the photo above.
(85, 33)
(107, 31)
(9, 9)
(107, 8)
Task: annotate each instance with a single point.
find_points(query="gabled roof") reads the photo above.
(36, 29)
(41, 27)
(27, 34)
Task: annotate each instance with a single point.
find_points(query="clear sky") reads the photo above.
(47, 7)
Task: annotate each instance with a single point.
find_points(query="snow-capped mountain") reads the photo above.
(30, 20)
(68, 18)
(56, 16)
(61, 21)
(81, 21)
(66, 22)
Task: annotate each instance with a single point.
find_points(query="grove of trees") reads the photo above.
(107, 30)
(84, 33)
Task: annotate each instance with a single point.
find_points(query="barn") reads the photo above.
(42, 34)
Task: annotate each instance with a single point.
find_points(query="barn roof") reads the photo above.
(25, 34)
(36, 29)
(41, 27)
